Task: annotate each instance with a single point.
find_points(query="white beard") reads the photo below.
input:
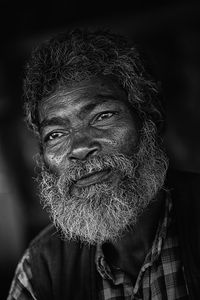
(104, 211)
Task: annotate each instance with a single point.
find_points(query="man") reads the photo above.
(126, 225)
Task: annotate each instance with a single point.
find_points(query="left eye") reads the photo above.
(53, 136)
(105, 115)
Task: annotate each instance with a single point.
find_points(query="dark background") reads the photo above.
(167, 33)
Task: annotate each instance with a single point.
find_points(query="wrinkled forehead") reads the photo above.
(97, 89)
(102, 83)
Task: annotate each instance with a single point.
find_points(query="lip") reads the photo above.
(93, 178)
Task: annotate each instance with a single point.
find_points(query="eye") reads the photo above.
(105, 115)
(53, 136)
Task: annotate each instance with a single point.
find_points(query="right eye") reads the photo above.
(53, 136)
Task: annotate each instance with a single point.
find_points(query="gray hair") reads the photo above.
(81, 54)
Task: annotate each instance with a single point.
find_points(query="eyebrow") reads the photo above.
(99, 99)
(51, 122)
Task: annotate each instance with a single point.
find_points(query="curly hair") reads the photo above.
(81, 54)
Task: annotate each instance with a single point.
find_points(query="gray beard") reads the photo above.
(105, 211)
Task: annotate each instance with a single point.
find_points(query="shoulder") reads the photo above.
(47, 235)
(185, 190)
(55, 261)
(21, 283)
(50, 243)
(50, 246)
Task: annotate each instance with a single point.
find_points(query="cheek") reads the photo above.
(128, 141)
(53, 162)
(121, 139)
(55, 157)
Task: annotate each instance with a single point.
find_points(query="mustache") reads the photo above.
(74, 171)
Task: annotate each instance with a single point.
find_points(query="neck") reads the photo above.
(129, 252)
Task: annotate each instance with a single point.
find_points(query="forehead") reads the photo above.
(96, 91)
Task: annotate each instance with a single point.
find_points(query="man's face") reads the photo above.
(90, 119)
(97, 172)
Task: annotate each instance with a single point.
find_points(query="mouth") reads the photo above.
(93, 178)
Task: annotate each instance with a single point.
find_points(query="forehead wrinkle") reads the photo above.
(53, 121)
(66, 92)
(86, 97)
(89, 102)
(84, 89)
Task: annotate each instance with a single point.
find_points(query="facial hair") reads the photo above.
(104, 211)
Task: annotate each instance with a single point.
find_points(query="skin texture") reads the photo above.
(91, 118)
(94, 118)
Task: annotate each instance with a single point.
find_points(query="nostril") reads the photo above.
(82, 153)
(93, 152)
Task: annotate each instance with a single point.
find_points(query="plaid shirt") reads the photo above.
(161, 275)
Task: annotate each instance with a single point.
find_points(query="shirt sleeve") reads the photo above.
(21, 288)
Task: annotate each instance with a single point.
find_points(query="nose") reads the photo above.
(83, 148)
